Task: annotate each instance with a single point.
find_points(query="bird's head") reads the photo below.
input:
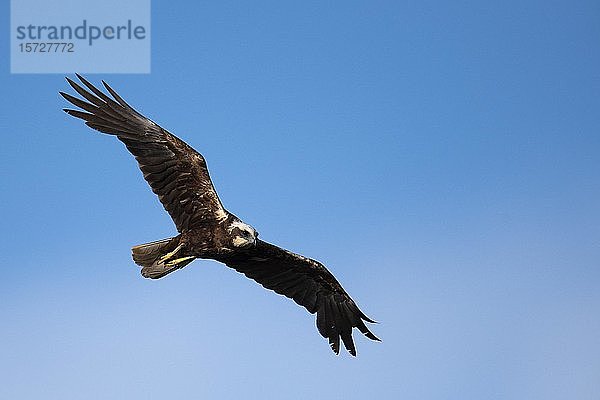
(242, 235)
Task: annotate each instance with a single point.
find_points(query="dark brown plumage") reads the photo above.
(178, 175)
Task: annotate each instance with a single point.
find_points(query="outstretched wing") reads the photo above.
(309, 284)
(175, 172)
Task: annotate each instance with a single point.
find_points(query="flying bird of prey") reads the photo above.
(179, 177)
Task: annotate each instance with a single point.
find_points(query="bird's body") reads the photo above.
(178, 175)
(214, 241)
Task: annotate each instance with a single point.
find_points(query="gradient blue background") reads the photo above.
(442, 160)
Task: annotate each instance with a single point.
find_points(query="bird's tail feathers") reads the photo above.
(156, 258)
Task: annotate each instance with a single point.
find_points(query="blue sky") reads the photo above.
(442, 159)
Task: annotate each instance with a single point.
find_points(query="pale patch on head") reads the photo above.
(241, 226)
(239, 241)
(245, 235)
